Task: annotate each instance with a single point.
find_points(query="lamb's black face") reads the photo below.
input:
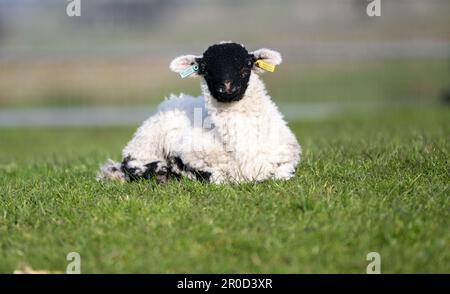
(226, 69)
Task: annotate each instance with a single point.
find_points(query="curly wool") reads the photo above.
(201, 138)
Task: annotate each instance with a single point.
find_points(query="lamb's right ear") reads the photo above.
(269, 56)
(182, 63)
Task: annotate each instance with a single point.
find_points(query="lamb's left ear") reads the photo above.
(181, 63)
(270, 56)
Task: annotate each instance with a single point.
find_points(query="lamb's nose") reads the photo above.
(228, 87)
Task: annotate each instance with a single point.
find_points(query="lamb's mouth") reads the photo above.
(227, 98)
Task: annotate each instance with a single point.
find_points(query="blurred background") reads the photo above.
(367, 97)
(110, 65)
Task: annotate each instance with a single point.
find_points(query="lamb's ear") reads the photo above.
(183, 62)
(269, 56)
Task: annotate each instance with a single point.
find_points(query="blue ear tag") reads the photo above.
(188, 71)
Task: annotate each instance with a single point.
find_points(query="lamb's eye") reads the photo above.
(244, 73)
(203, 69)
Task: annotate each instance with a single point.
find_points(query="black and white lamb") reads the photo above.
(232, 133)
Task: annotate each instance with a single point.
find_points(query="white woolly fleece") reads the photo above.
(247, 140)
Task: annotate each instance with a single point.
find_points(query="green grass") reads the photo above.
(418, 80)
(377, 182)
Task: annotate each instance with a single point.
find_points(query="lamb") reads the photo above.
(232, 133)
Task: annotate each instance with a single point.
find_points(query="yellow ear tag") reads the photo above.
(264, 65)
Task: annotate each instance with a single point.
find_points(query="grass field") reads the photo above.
(373, 182)
(147, 82)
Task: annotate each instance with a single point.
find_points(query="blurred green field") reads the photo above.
(149, 81)
(369, 182)
(375, 132)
